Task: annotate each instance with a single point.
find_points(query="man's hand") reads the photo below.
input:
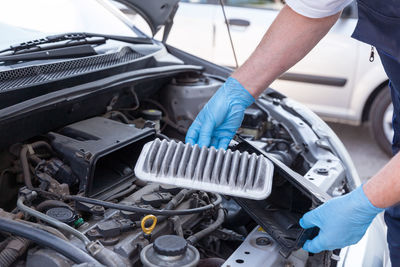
(217, 122)
(342, 221)
(288, 40)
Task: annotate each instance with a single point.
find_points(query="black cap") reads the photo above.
(62, 214)
(152, 114)
(170, 245)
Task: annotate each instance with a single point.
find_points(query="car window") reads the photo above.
(267, 4)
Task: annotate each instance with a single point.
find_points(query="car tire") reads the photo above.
(380, 120)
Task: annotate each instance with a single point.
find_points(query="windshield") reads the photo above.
(24, 20)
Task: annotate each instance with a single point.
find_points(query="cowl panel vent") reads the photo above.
(221, 171)
(40, 73)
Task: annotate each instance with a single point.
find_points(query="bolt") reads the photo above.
(92, 232)
(98, 208)
(263, 241)
(87, 156)
(276, 101)
(322, 171)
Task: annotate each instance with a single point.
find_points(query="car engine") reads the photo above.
(75, 190)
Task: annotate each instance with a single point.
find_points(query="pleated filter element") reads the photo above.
(221, 171)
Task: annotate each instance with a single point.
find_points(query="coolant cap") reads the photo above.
(170, 245)
(152, 114)
(62, 214)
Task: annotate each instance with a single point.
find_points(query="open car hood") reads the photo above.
(157, 13)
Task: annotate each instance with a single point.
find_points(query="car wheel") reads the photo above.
(380, 115)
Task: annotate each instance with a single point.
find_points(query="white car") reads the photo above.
(336, 80)
(83, 91)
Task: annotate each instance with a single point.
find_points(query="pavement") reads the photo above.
(367, 156)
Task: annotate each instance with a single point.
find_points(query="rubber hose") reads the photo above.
(46, 239)
(211, 228)
(175, 201)
(24, 160)
(50, 220)
(109, 258)
(48, 204)
(46, 228)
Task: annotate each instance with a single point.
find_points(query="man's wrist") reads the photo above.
(372, 196)
(240, 91)
(249, 85)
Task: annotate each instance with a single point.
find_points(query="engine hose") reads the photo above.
(175, 201)
(99, 252)
(15, 248)
(48, 204)
(51, 221)
(211, 228)
(46, 239)
(46, 228)
(24, 160)
(136, 209)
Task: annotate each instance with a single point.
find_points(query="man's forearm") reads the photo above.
(290, 37)
(383, 189)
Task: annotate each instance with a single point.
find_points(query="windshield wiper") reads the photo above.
(79, 37)
(66, 52)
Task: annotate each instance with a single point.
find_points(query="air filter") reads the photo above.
(221, 171)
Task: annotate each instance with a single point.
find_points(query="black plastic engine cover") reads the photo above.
(291, 197)
(101, 152)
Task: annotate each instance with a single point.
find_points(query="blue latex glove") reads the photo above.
(342, 221)
(217, 122)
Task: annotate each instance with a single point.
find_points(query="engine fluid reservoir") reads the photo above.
(170, 251)
(185, 96)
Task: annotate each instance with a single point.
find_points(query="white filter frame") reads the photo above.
(200, 168)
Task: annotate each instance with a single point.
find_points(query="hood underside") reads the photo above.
(157, 13)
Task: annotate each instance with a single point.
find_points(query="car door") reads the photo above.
(248, 21)
(323, 80)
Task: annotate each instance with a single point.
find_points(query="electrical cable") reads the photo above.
(136, 209)
(46, 239)
(163, 136)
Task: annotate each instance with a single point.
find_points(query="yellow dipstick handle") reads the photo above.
(148, 230)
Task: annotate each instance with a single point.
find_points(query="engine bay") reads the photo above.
(77, 184)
